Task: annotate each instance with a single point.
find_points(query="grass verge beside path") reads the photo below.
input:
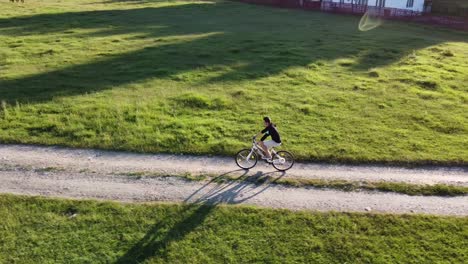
(343, 185)
(197, 77)
(395, 187)
(40, 230)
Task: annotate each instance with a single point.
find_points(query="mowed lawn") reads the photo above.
(38, 230)
(198, 76)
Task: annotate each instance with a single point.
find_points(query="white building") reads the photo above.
(392, 5)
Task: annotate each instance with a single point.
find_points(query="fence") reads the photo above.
(361, 9)
(459, 23)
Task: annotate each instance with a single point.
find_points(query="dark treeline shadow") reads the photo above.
(255, 42)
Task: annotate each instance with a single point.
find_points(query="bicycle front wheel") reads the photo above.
(283, 161)
(246, 159)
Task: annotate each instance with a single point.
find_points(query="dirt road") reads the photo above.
(126, 162)
(75, 173)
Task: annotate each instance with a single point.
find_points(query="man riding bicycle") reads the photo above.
(270, 130)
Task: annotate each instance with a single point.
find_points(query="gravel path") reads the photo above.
(78, 173)
(111, 162)
(126, 188)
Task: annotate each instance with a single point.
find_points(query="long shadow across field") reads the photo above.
(254, 42)
(201, 204)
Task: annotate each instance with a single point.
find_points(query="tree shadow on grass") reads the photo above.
(245, 43)
(200, 205)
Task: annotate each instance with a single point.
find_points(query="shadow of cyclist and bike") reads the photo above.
(222, 189)
(234, 190)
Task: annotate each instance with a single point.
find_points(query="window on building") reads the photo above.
(410, 3)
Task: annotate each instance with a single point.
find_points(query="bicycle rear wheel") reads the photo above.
(283, 160)
(245, 161)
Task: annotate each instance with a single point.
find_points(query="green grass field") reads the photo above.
(38, 230)
(197, 77)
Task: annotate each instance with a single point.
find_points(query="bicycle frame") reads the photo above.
(248, 158)
(281, 160)
(256, 148)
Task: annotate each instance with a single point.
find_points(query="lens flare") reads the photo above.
(370, 20)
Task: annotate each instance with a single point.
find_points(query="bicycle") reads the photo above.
(248, 158)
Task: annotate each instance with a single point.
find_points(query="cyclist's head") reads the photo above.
(267, 121)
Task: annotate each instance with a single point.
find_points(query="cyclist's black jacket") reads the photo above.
(271, 131)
